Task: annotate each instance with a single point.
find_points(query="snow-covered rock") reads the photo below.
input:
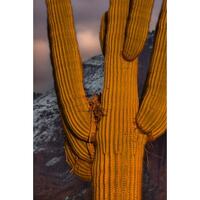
(93, 75)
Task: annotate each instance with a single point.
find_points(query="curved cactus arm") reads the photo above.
(151, 117)
(82, 149)
(133, 31)
(137, 27)
(79, 167)
(68, 68)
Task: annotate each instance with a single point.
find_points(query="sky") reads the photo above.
(87, 16)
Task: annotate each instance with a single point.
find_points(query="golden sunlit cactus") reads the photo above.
(106, 137)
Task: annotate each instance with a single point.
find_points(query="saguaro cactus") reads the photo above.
(106, 138)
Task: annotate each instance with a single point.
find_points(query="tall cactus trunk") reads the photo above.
(106, 140)
(117, 165)
(119, 175)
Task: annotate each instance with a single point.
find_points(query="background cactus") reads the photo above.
(106, 136)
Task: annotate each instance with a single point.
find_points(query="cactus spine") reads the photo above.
(108, 148)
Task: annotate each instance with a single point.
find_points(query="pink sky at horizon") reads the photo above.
(87, 15)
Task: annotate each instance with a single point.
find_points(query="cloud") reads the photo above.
(42, 66)
(39, 19)
(155, 14)
(41, 52)
(86, 10)
(88, 44)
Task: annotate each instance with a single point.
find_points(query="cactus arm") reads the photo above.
(151, 117)
(81, 168)
(80, 148)
(137, 27)
(67, 68)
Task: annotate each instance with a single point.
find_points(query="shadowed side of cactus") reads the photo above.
(106, 136)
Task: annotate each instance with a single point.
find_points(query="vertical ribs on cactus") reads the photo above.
(106, 137)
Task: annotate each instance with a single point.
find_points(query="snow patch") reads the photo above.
(53, 161)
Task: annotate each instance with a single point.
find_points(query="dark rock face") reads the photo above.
(52, 177)
(144, 60)
(154, 170)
